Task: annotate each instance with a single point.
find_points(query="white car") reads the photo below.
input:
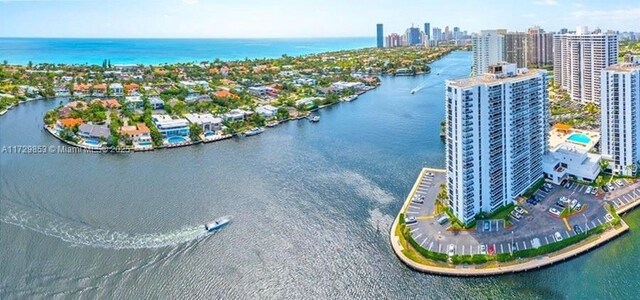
(519, 210)
(410, 220)
(452, 250)
(558, 236)
(619, 183)
(554, 211)
(574, 202)
(588, 190)
(483, 249)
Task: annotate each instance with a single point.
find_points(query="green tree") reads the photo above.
(194, 132)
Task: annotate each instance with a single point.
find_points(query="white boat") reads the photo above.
(254, 131)
(314, 118)
(217, 224)
(272, 123)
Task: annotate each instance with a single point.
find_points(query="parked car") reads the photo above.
(594, 191)
(611, 187)
(452, 250)
(605, 188)
(519, 209)
(410, 220)
(418, 200)
(619, 183)
(560, 203)
(588, 190)
(578, 207)
(558, 236)
(554, 211)
(574, 202)
(483, 249)
(577, 229)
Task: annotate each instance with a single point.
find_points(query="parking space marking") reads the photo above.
(501, 248)
(439, 247)
(430, 245)
(568, 235)
(593, 223)
(462, 249)
(599, 221)
(417, 236)
(415, 229)
(413, 212)
(525, 245)
(423, 241)
(414, 206)
(546, 239)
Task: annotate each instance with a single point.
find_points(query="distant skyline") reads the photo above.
(291, 18)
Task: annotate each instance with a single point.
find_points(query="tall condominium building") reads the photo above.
(427, 30)
(539, 47)
(488, 49)
(413, 36)
(496, 135)
(379, 36)
(394, 40)
(620, 115)
(578, 60)
(437, 34)
(456, 33)
(515, 48)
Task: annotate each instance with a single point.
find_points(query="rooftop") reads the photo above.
(501, 73)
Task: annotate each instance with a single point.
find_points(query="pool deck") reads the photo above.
(508, 267)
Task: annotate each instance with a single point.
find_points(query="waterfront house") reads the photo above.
(235, 115)
(90, 131)
(208, 122)
(171, 127)
(116, 89)
(341, 85)
(137, 134)
(267, 111)
(99, 90)
(67, 123)
(81, 90)
(133, 102)
(156, 102)
(308, 102)
(65, 112)
(305, 81)
(62, 91)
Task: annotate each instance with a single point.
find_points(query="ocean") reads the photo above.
(312, 204)
(159, 51)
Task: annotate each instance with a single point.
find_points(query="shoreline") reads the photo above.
(181, 145)
(520, 265)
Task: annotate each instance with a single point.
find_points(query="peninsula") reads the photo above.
(138, 107)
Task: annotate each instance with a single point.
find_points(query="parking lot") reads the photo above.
(536, 227)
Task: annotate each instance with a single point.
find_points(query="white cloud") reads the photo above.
(615, 14)
(545, 2)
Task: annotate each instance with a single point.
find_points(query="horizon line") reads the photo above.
(187, 38)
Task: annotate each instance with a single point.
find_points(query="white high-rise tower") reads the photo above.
(488, 49)
(578, 60)
(620, 116)
(496, 134)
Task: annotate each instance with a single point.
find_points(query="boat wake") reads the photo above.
(81, 234)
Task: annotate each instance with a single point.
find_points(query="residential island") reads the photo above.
(138, 107)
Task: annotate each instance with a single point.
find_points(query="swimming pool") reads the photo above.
(579, 138)
(176, 139)
(209, 133)
(92, 143)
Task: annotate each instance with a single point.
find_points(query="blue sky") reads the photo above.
(298, 18)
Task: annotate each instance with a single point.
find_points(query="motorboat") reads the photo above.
(254, 131)
(217, 224)
(314, 118)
